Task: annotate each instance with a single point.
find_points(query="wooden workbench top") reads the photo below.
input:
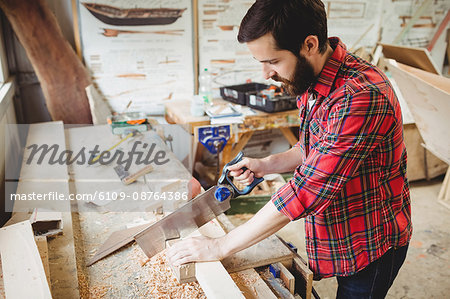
(178, 112)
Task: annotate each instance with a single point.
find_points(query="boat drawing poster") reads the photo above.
(139, 51)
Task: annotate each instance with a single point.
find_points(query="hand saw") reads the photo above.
(194, 213)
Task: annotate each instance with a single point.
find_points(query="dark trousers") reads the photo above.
(374, 281)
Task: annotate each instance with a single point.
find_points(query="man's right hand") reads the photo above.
(255, 168)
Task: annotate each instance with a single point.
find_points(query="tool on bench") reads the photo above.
(130, 133)
(193, 214)
(214, 139)
(128, 120)
(127, 178)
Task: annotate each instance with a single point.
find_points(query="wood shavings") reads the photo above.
(244, 279)
(159, 280)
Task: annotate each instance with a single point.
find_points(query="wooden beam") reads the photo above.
(287, 278)
(62, 75)
(116, 240)
(215, 281)
(242, 142)
(269, 251)
(42, 179)
(428, 102)
(212, 276)
(444, 193)
(23, 272)
(252, 285)
(304, 275)
(415, 57)
(184, 273)
(303, 286)
(290, 137)
(41, 242)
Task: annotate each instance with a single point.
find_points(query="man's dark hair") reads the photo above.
(289, 21)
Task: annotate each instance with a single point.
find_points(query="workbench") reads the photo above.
(88, 223)
(178, 112)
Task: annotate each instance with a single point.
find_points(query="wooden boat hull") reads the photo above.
(133, 17)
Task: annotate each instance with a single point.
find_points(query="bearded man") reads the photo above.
(349, 165)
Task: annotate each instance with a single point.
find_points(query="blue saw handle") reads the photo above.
(226, 180)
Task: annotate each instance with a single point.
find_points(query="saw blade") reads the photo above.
(181, 222)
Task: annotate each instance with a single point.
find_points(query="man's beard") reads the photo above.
(303, 78)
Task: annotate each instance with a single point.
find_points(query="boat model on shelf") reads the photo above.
(133, 16)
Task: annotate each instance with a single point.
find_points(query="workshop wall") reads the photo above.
(360, 23)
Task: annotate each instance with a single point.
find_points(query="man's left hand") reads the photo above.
(195, 249)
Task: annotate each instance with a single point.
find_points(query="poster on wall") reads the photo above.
(398, 13)
(226, 59)
(355, 22)
(138, 51)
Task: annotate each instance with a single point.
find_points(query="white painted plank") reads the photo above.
(44, 134)
(429, 104)
(215, 281)
(23, 272)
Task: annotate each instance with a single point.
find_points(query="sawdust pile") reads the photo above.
(140, 277)
(160, 280)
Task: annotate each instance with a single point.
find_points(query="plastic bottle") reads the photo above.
(205, 90)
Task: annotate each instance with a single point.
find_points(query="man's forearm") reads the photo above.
(266, 222)
(283, 162)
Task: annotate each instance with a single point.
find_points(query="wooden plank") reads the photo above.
(184, 273)
(415, 57)
(429, 106)
(23, 272)
(303, 286)
(252, 285)
(215, 281)
(178, 112)
(102, 179)
(61, 74)
(116, 240)
(304, 275)
(46, 222)
(239, 146)
(50, 134)
(62, 261)
(248, 281)
(276, 285)
(76, 29)
(287, 277)
(100, 109)
(41, 242)
(212, 276)
(444, 193)
(434, 80)
(266, 252)
(422, 164)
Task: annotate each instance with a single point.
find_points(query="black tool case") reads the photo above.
(238, 94)
(276, 104)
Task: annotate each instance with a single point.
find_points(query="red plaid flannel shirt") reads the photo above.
(351, 185)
